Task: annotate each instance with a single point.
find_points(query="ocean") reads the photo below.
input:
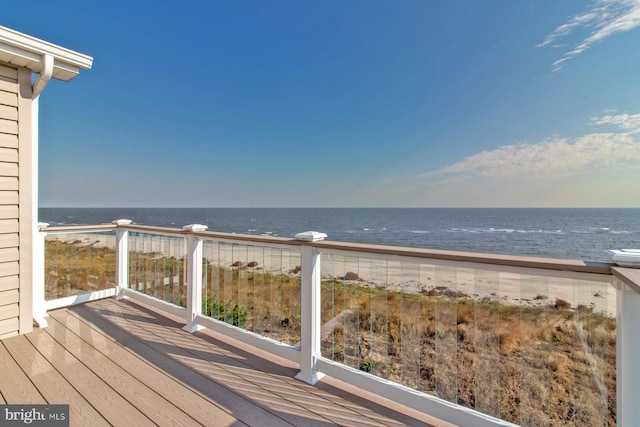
(582, 234)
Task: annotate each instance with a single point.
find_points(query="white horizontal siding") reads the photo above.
(8, 311)
(9, 327)
(9, 254)
(8, 169)
(8, 85)
(8, 140)
(8, 211)
(9, 226)
(8, 98)
(9, 155)
(8, 112)
(10, 107)
(8, 126)
(8, 283)
(11, 268)
(8, 198)
(8, 183)
(9, 297)
(9, 240)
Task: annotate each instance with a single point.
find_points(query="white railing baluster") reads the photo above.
(39, 276)
(310, 321)
(194, 277)
(122, 257)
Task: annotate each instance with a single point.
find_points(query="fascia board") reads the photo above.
(26, 51)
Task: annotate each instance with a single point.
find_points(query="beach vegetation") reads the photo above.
(78, 266)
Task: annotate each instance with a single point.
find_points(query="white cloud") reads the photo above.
(625, 121)
(604, 18)
(552, 158)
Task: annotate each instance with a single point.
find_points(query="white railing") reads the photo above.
(432, 329)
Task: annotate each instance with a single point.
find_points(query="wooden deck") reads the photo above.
(120, 363)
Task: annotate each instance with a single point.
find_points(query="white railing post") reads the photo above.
(39, 276)
(122, 257)
(194, 277)
(627, 355)
(310, 322)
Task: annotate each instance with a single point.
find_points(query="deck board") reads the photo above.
(15, 385)
(122, 363)
(177, 394)
(111, 405)
(156, 407)
(50, 383)
(162, 356)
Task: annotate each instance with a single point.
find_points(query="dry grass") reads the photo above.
(531, 366)
(74, 267)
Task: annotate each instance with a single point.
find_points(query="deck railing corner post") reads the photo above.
(39, 276)
(122, 257)
(194, 277)
(310, 319)
(627, 354)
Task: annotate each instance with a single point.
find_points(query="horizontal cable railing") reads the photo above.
(470, 338)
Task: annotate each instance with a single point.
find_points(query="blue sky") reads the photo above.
(341, 103)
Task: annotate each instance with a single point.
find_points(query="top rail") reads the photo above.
(472, 257)
(77, 228)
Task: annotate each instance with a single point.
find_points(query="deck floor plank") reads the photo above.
(15, 385)
(180, 395)
(154, 406)
(111, 405)
(50, 383)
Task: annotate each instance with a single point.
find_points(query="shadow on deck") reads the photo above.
(121, 363)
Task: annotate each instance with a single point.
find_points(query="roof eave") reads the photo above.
(25, 51)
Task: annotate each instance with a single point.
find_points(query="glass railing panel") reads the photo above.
(409, 344)
(348, 309)
(527, 347)
(254, 288)
(157, 266)
(481, 344)
(78, 263)
(445, 339)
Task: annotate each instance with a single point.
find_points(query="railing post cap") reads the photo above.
(625, 257)
(122, 222)
(311, 236)
(195, 227)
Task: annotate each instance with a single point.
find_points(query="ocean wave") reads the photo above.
(505, 230)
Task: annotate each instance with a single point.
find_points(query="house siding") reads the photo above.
(14, 106)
